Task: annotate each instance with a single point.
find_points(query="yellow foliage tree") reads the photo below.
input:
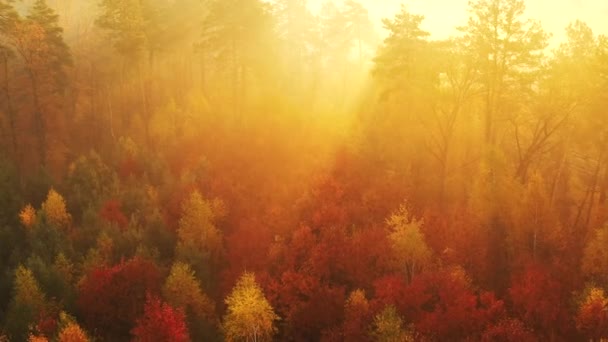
(182, 290)
(34, 338)
(388, 327)
(27, 303)
(72, 333)
(27, 290)
(407, 241)
(250, 316)
(595, 256)
(592, 316)
(55, 209)
(196, 229)
(27, 216)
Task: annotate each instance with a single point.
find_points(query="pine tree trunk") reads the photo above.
(39, 125)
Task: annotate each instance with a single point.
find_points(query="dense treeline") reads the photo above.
(176, 170)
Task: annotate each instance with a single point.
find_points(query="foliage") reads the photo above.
(27, 304)
(55, 210)
(595, 257)
(150, 162)
(388, 327)
(249, 314)
(182, 290)
(160, 322)
(409, 248)
(592, 317)
(111, 298)
(27, 216)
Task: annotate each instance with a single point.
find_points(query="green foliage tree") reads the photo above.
(182, 290)
(89, 181)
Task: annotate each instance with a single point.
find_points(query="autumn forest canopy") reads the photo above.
(249, 170)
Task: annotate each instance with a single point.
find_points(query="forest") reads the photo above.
(249, 170)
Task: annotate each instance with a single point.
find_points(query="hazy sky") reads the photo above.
(442, 16)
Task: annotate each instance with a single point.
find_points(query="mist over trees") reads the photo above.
(244, 170)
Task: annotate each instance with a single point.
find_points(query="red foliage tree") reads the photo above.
(130, 167)
(451, 310)
(508, 330)
(541, 301)
(160, 322)
(307, 306)
(392, 290)
(357, 317)
(111, 298)
(111, 212)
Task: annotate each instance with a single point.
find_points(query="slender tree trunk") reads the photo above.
(604, 187)
(9, 107)
(39, 124)
(111, 115)
(592, 192)
(144, 106)
(560, 171)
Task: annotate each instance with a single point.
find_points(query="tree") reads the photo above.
(27, 216)
(237, 34)
(297, 29)
(357, 315)
(537, 234)
(388, 327)
(110, 299)
(55, 210)
(399, 61)
(592, 315)
(407, 241)
(595, 256)
(38, 40)
(27, 304)
(539, 299)
(359, 26)
(125, 22)
(199, 240)
(89, 180)
(182, 290)
(592, 318)
(72, 333)
(34, 338)
(112, 213)
(507, 51)
(249, 315)
(345, 30)
(8, 18)
(444, 305)
(160, 322)
(137, 29)
(508, 330)
(70, 330)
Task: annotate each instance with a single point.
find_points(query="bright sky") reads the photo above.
(442, 16)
